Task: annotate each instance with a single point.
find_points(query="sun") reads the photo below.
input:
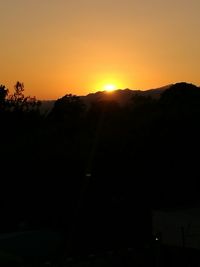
(110, 87)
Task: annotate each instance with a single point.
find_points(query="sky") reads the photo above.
(56, 47)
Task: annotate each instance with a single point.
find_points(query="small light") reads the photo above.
(157, 239)
(88, 174)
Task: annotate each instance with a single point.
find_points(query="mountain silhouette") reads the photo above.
(121, 96)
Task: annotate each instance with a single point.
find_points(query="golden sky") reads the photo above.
(57, 47)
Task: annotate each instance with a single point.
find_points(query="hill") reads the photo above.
(121, 96)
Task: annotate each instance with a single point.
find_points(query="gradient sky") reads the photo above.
(77, 46)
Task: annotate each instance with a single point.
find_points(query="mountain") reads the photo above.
(121, 96)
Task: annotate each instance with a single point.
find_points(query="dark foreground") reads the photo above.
(154, 255)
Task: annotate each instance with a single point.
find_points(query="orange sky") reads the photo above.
(78, 46)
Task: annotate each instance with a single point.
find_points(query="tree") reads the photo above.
(3, 96)
(68, 108)
(19, 103)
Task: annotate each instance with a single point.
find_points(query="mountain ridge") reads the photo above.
(121, 96)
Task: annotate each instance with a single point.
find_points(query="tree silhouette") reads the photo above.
(21, 103)
(3, 96)
(133, 157)
(68, 105)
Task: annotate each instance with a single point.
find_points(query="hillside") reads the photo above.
(121, 96)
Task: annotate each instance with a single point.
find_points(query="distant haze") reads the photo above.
(78, 46)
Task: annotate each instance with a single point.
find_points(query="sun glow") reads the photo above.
(110, 87)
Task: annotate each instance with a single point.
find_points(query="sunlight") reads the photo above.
(110, 87)
(108, 82)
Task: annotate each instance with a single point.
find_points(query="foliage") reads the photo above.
(68, 107)
(3, 96)
(19, 102)
(78, 170)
